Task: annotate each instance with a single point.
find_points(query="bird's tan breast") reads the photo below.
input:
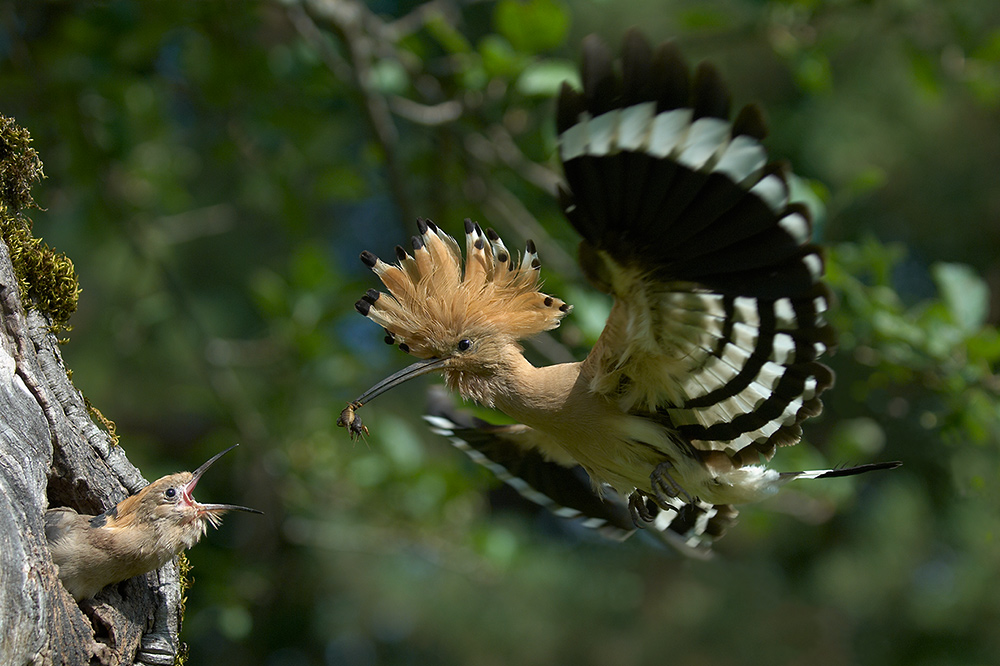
(583, 427)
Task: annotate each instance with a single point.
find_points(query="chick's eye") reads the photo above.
(170, 493)
(464, 344)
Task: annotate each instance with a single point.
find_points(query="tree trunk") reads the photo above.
(52, 454)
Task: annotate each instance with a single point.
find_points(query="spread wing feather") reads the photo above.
(718, 320)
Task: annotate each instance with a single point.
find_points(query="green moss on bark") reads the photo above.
(44, 276)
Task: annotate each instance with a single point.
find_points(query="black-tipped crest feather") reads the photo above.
(431, 300)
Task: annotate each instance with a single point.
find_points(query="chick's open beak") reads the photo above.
(212, 511)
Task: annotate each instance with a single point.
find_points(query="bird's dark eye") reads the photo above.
(464, 344)
(170, 493)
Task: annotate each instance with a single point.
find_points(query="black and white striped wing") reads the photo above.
(718, 317)
(514, 454)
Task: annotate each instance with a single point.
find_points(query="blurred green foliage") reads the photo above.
(214, 169)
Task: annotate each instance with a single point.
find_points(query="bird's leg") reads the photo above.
(639, 509)
(664, 486)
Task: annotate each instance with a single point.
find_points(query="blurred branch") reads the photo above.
(314, 37)
(498, 146)
(426, 114)
(364, 35)
(417, 19)
(352, 22)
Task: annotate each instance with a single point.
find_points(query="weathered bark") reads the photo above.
(52, 454)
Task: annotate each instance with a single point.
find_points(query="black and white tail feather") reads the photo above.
(689, 527)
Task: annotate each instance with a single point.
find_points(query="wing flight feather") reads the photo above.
(718, 322)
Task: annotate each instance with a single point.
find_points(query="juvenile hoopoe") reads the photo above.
(141, 533)
(709, 358)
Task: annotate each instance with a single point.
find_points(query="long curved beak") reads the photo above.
(422, 367)
(348, 419)
(213, 509)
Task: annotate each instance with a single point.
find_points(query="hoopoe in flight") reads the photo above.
(709, 360)
(140, 534)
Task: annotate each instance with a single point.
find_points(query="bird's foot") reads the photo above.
(641, 508)
(664, 486)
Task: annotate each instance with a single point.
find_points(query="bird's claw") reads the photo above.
(638, 507)
(666, 495)
(350, 420)
(664, 486)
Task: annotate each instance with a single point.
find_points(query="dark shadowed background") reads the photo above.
(215, 168)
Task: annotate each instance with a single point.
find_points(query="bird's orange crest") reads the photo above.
(434, 302)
